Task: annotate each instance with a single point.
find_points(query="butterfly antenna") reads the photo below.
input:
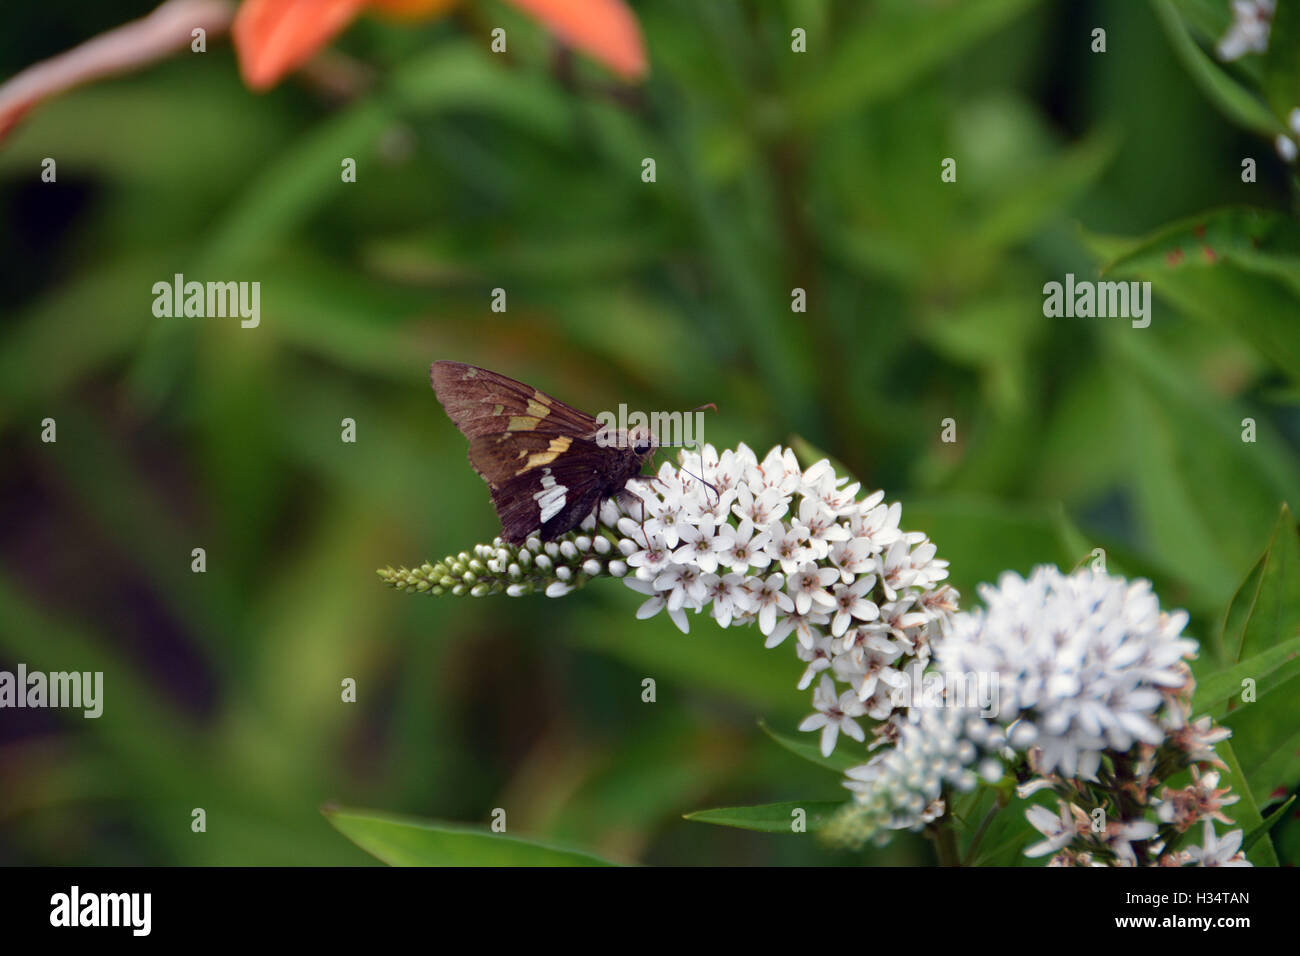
(708, 484)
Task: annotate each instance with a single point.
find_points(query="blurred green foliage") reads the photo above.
(775, 170)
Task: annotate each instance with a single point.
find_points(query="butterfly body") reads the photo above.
(546, 464)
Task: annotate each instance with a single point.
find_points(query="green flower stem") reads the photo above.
(945, 841)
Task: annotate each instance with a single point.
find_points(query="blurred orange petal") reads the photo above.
(273, 37)
(606, 30)
(413, 9)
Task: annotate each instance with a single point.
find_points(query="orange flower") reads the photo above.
(274, 37)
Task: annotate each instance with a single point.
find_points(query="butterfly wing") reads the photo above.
(539, 456)
(482, 402)
(550, 497)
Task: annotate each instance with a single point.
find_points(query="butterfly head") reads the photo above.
(642, 443)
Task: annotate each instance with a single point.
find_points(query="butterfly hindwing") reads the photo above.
(550, 496)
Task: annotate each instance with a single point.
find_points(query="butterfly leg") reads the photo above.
(623, 498)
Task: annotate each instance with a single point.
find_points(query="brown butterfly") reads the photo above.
(546, 463)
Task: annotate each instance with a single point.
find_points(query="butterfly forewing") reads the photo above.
(540, 457)
(481, 402)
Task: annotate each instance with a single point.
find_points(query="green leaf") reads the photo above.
(839, 761)
(1269, 822)
(1274, 616)
(1261, 628)
(1246, 811)
(1187, 459)
(1234, 268)
(1282, 61)
(894, 45)
(731, 660)
(306, 175)
(1043, 191)
(1267, 741)
(768, 817)
(406, 841)
(1237, 102)
(1219, 686)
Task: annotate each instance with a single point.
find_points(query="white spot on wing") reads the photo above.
(551, 498)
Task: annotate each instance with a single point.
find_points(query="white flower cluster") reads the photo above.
(902, 786)
(1084, 664)
(1073, 839)
(796, 552)
(1252, 21)
(765, 542)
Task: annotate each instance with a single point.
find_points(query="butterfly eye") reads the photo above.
(641, 445)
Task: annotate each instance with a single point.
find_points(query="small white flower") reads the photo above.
(747, 549)
(836, 493)
(818, 658)
(878, 524)
(851, 602)
(1198, 739)
(824, 527)
(732, 466)
(788, 546)
(895, 569)
(657, 603)
(1218, 851)
(684, 586)
(664, 517)
(766, 506)
(866, 669)
(715, 505)
(808, 587)
(650, 561)
(779, 471)
(1252, 21)
(1286, 148)
(699, 544)
(767, 599)
(728, 597)
(853, 556)
(804, 626)
(834, 715)
(1121, 836)
(1060, 828)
